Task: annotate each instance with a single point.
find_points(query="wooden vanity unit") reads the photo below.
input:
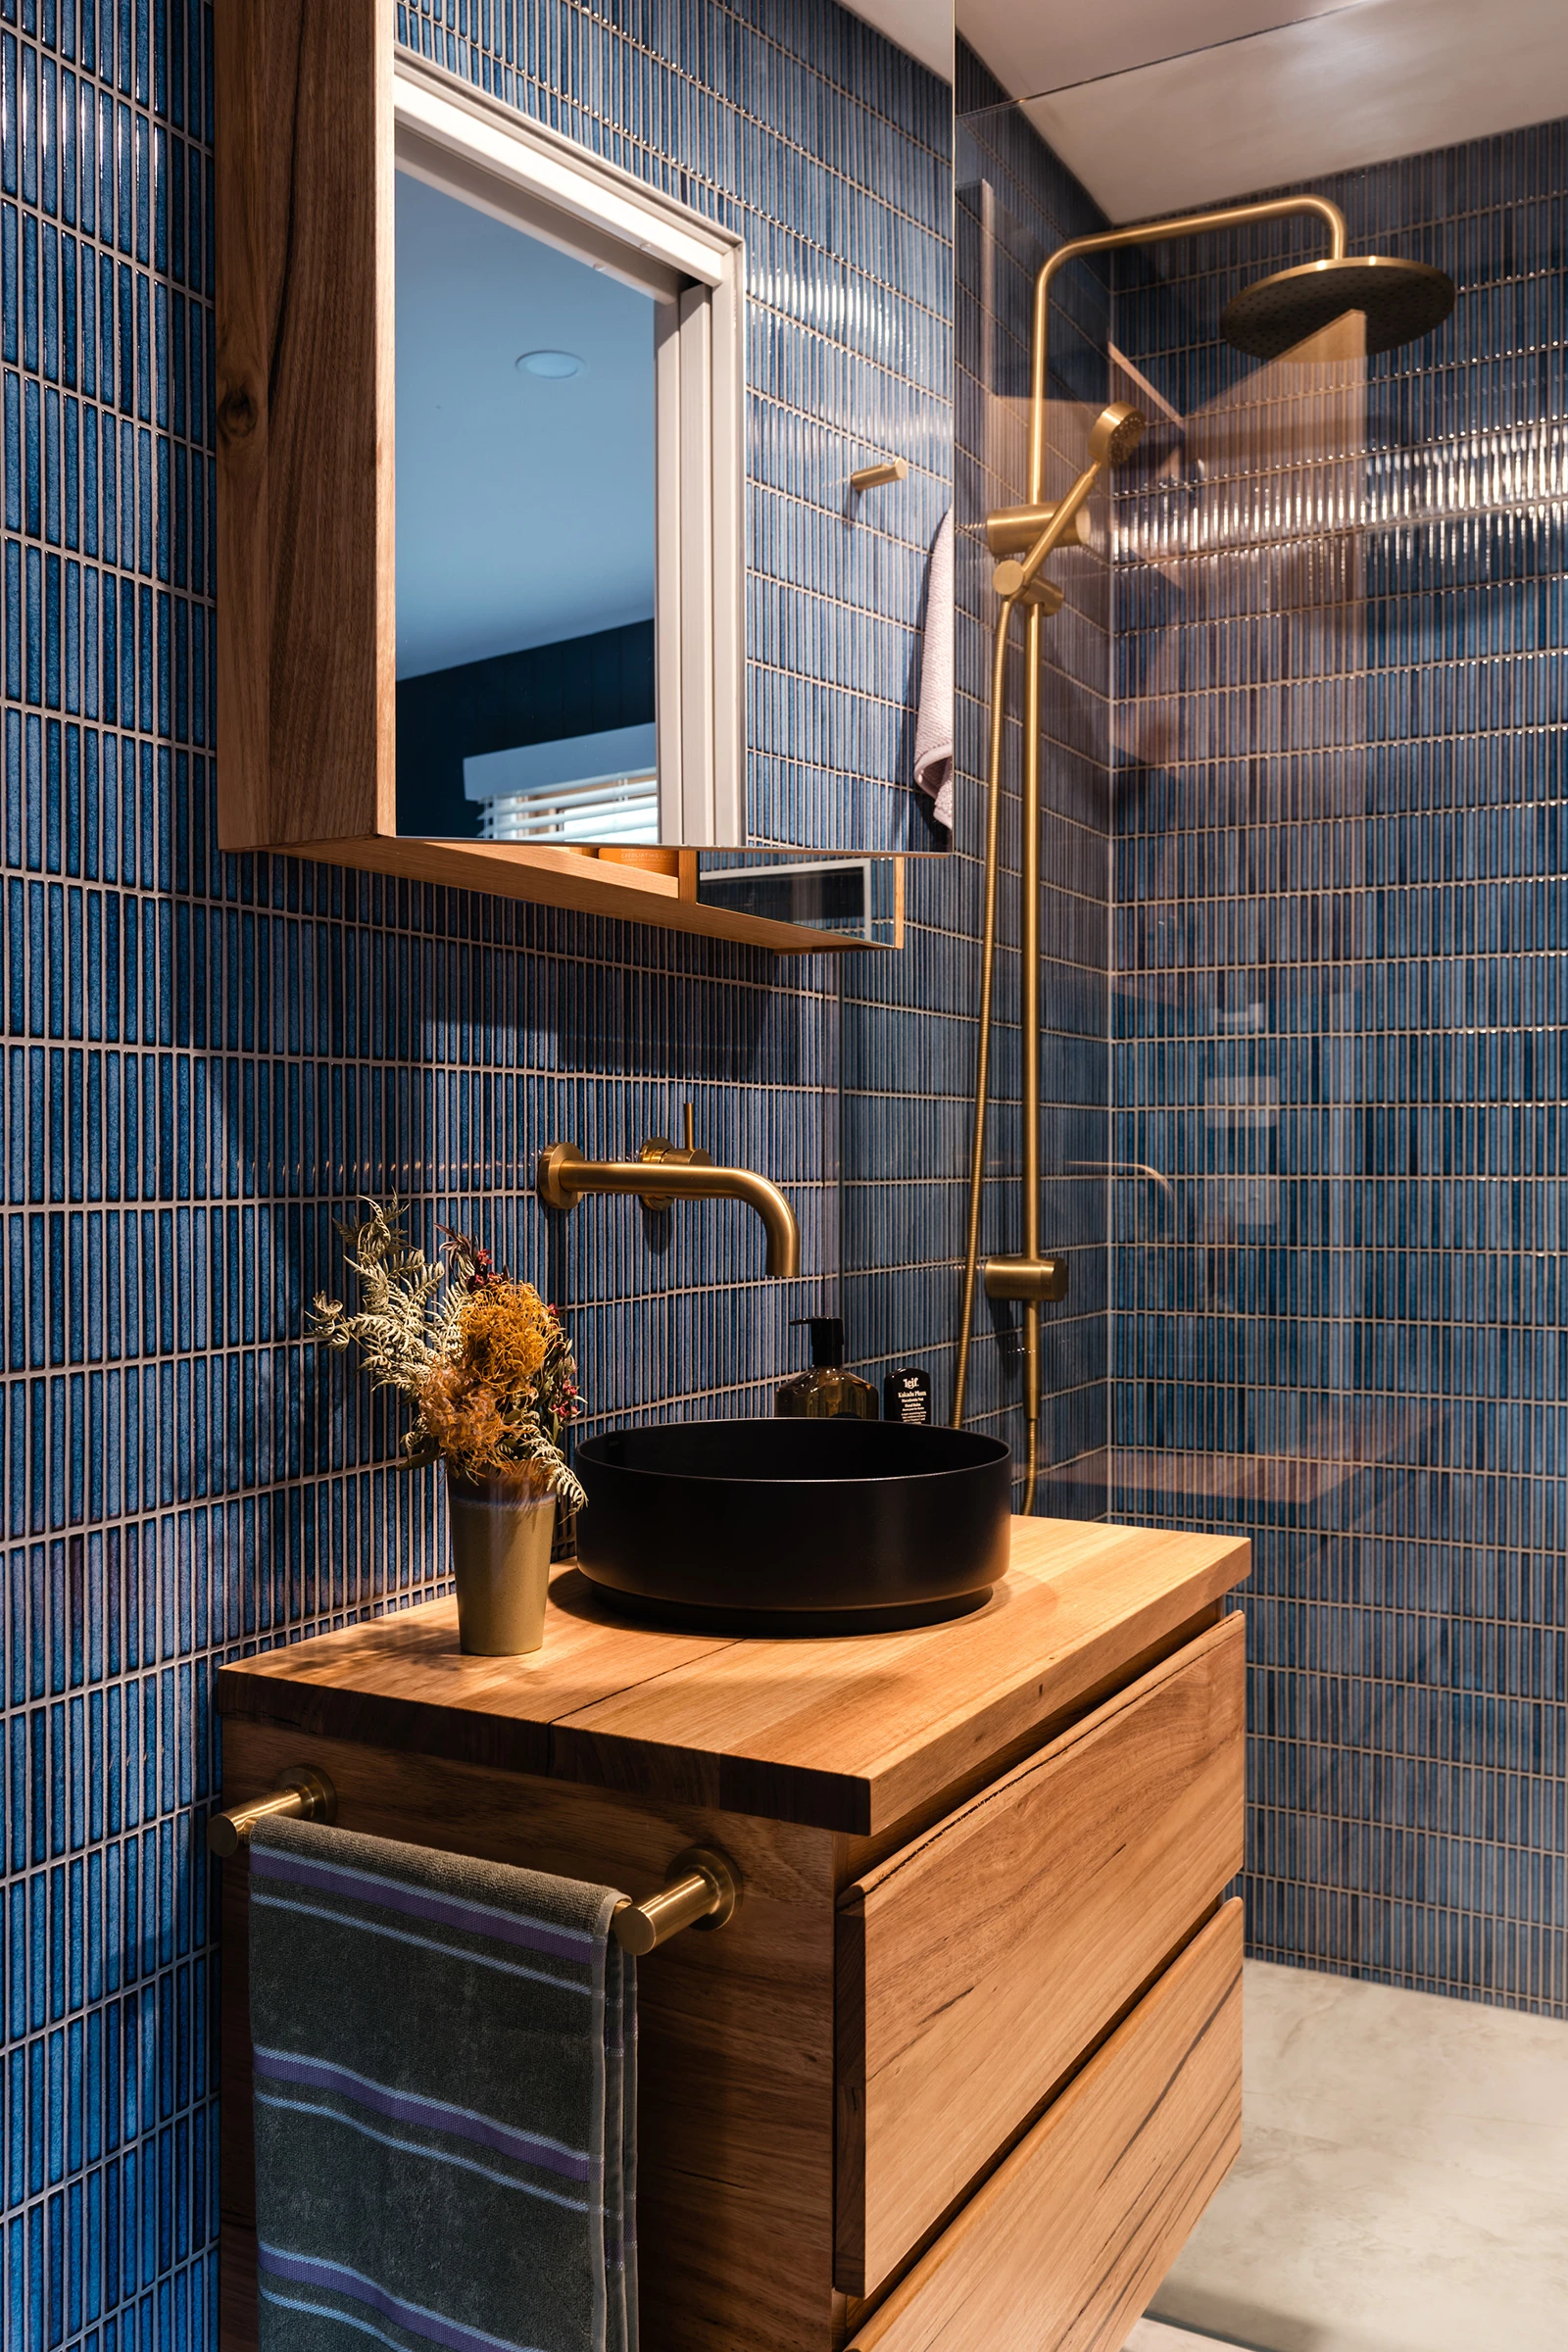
(964, 2068)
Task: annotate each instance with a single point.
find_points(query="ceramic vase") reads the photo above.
(501, 1536)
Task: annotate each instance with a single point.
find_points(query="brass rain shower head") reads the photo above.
(1400, 299)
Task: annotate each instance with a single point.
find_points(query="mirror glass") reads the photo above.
(525, 663)
(643, 603)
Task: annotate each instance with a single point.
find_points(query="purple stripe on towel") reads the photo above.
(442, 1910)
(406, 2107)
(337, 2280)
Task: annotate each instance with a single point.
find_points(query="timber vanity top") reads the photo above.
(964, 2067)
(847, 1733)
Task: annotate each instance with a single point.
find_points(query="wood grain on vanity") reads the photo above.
(1064, 2247)
(978, 1859)
(979, 1961)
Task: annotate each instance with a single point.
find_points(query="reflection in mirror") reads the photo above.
(670, 484)
(859, 898)
(525, 453)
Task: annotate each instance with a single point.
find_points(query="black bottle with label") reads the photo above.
(906, 1397)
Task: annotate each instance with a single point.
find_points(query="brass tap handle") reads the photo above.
(302, 1794)
(659, 1150)
(703, 1890)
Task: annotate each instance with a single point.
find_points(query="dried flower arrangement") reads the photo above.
(485, 1361)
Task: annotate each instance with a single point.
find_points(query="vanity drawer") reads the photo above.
(1064, 2247)
(975, 1966)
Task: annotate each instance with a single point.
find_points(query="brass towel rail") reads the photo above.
(702, 1886)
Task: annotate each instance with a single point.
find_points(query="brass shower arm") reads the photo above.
(1146, 232)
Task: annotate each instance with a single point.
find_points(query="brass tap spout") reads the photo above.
(662, 1174)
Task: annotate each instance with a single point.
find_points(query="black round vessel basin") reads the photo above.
(795, 1527)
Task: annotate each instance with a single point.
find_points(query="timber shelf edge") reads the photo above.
(560, 878)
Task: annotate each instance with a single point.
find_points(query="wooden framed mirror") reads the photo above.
(379, 714)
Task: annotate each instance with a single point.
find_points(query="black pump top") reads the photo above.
(827, 1337)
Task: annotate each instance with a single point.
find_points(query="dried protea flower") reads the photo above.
(504, 1332)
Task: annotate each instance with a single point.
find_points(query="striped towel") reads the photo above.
(444, 2077)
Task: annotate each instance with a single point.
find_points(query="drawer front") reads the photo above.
(977, 1965)
(1064, 2247)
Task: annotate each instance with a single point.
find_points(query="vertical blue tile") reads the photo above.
(1339, 885)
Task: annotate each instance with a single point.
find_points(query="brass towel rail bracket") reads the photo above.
(299, 1793)
(703, 1890)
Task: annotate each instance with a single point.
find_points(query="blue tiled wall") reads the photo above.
(1340, 886)
(207, 1058)
(830, 152)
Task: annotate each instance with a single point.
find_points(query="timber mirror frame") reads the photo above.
(307, 103)
(305, 399)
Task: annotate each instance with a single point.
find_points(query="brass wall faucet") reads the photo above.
(662, 1173)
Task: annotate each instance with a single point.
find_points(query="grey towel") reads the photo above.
(445, 2077)
(933, 725)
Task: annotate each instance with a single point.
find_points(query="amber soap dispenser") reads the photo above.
(827, 1392)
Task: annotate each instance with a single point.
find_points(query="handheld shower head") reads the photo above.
(1114, 436)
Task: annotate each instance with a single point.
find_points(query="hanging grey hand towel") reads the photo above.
(933, 727)
(445, 2082)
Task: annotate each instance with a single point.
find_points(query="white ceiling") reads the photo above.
(525, 504)
(1157, 109)
(1034, 46)
(923, 27)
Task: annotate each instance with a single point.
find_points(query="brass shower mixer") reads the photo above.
(1026, 1279)
(1013, 530)
(1116, 433)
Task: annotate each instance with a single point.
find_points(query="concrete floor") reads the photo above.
(1151, 2335)
(1403, 2184)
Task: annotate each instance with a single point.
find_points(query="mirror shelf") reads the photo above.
(590, 885)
